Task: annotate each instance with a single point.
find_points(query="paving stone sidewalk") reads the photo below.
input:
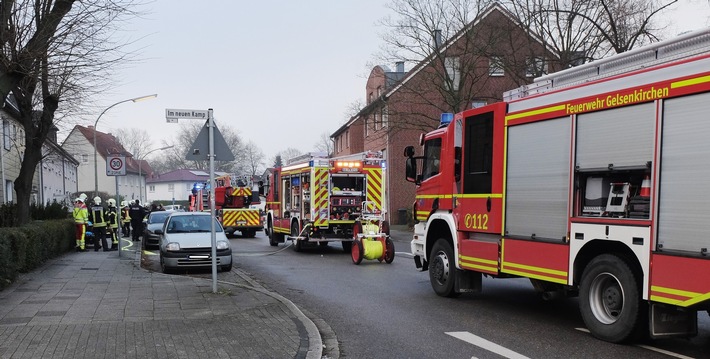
(100, 305)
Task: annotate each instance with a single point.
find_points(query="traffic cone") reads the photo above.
(646, 187)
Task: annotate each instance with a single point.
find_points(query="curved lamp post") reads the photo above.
(96, 167)
(140, 173)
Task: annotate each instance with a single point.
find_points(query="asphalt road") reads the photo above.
(380, 310)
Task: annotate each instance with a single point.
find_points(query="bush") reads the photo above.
(23, 249)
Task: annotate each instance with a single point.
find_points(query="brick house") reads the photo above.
(473, 68)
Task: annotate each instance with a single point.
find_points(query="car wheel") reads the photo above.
(227, 268)
(165, 269)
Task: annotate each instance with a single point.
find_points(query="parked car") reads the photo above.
(154, 221)
(174, 207)
(186, 242)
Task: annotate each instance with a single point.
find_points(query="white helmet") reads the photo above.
(83, 197)
(111, 202)
(124, 204)
(97, 200)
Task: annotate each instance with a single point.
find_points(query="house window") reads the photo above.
(369, 98)
(384, 116)
(453, 72)
(377, 120)
(8, 191)
(495, 67)
(367, 129)
(6, 134)
(151, 188)
(535, 66)
(379, 91)
(84, 158)
(347, 138)
(171, 187)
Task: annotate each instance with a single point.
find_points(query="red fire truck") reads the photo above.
(589, 182)
(235, 204)
(316, 199)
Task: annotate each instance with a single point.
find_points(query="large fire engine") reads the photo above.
(236, 204)
(316, 199)
(590, 182)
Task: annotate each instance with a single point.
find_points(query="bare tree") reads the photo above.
(175, 158)
(254, 159)
(324, 144)
(54, 52)
(137, 141)
(286, 155)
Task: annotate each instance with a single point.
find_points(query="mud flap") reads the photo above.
(468, 281)
(669, 321)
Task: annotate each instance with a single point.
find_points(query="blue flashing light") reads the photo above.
(446, 119)
(383, 165)
(197, 186)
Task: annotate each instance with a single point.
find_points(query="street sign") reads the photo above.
(174, 114)
(200, 149)
(115, 165)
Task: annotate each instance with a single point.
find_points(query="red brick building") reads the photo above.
(474, 67)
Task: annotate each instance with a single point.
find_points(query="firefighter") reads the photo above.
(112, 219)
(81, 219)
(97, 215)
(137, 213)
(125, 219)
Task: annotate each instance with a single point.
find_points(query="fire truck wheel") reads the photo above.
(297, 243)
(272, 236)
(389, 251)
(442, 269)
(356, 251)
(610, 300)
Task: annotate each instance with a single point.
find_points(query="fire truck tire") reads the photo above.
(442, 269)
(272, 236)
(389, 251)
(297, 243)
(610, 299)
(347, 246)
(356, 251)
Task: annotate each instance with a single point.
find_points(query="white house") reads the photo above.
(80, 143)
(57, 173)
(175, 185)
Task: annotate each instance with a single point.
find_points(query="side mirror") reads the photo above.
(411, 170)
(409, 151)
(158, 231)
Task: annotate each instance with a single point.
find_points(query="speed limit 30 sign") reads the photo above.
(115, 165)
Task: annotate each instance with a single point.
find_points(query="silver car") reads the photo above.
(186, 242)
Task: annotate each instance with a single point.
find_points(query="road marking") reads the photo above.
(487, 345)
(405, 253)
(648, 347)
(150, 253)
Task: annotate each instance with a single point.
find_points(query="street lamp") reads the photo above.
(140, 173)
(96, 167)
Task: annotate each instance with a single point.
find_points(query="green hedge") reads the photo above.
(23, 249)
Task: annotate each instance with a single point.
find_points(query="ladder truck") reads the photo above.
(589, 182)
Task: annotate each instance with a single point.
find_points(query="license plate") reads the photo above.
(242, 222)
(198, 257)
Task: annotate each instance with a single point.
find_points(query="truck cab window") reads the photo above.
(432, 157)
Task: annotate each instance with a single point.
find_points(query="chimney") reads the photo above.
(400, 66)
(437, 39)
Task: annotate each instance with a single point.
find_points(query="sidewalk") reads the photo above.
(100, 305)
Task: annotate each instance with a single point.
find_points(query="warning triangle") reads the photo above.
(200, 149)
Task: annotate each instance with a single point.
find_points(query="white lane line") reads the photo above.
(487, 345)
(648, 347)
(662, 351)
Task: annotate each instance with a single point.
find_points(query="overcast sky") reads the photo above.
(279, 72)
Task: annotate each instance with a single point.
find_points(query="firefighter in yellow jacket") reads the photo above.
(81, 219)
